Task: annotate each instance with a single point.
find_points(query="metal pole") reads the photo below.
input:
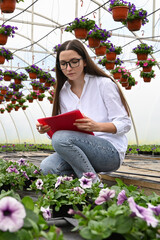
(4, 132)
(30, 127)
(32, 32)
(76, 9)
(153, 18)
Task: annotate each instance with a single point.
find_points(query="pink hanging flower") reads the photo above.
(145, 64)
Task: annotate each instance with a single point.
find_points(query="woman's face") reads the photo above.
(72, 65)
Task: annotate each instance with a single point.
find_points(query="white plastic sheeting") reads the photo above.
(41, 27)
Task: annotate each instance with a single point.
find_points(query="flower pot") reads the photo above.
(7, 78)
(34, 87)
(51, 101)
(134, 25)
(10, 96)
(41, 90)
(80, 33)
(3, 91)
(146, 79)
(111, 56)
(30, 100)
(147, 69)
(1, 97)
(120, 13)
(32, 75)
(142, 56)
(109, 65)
(117, 75)
(3, 39)
(128, 88)
(2, 60)
(100, 51)
(124, 80)
(47, 84)
(17, 81)
(40, 99)
(7, 99)
(13, 101)
(42, 80)
(125, 84)
(93, 42)
(35, 97)
(8, 6)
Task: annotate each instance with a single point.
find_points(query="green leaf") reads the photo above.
(28, 203)
(30, 215)
(123, 224)
(25, 235)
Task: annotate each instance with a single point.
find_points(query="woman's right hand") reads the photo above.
(42, 128)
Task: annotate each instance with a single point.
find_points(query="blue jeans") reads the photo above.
(78, 152)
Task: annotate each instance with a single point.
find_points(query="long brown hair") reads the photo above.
(90, 68)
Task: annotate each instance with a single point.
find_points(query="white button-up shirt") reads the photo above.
(100, 101)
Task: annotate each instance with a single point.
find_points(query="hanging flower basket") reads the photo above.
(100, 51)
(111, 56)
(1, 96)
(147, 69)
(8, 6)
(124, 80)
(93, 42)
(134, 25)
(80, 33)
(120, 13)
(3, 39)
(109, 65)
(2, 59)
(42, 80)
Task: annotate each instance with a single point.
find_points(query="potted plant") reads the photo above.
(16, 87)
(8, 75)
(5, 32)
(118, 62)
(42, 88)
(136, 18)
(29, 97)
(101, 49)
(147, 64)
(21, 101)
(9, 93)
(80, 26)
(112, 52)
(131, 82)
(16, 106)
(8, 6)
(34, 95)
(142, 50)
(2, 110)
(41, 96)
(35, 84)
(56, 47)
(119, 9)
(97, 35)
(147, 75)
(50, 99)
(50, 82)
(18, 95)
(43, 76)
(124, 77)
(5, 54)
(19, 77)
(24, 107)
(33, 71)
(1, 97)
(13, 99)
(10, 106)
(3, 89)
(117, 72)
(109, 65)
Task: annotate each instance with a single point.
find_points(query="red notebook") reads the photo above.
(63, 122)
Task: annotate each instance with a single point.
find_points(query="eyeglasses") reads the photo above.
(73, 63)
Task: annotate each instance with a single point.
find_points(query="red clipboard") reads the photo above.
(63, 122)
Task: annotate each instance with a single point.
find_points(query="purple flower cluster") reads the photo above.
(56, 47)
(8, 30)
(137, 14)
(33, 68)
(99, 33)
(6, 53)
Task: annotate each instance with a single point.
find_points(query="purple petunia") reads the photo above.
(12, 214)
(121, 197)
(155, 209)
(46, 212)
(144, 213)
(104, 196)
(85, 182)
(39, 184)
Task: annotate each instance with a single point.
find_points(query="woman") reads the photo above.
(82, 85)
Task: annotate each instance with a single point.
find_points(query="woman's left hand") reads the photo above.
(86, 124)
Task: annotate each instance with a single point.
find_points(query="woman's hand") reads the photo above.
(42, 128)
(87, 124)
